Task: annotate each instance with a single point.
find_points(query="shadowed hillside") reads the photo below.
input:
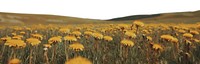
(177, 17)
(135, 17)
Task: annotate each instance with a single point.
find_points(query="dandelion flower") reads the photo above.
(38, 36)
(181, 31)
(194, 32)
(196, 40)
(149, 38)
(127, 43)
(157, 47)
(15, 43)
(64, 30)
(123, 26)
(33, 41)
(76, 46)
(108, 38)
(97, 35)
(14, 61)
(167, 37)
(56, 39)
(88, 33)
(70, 38)
(78, 60)
(130, 34)
(18, 28)
(22, 33)
(13, 34)
(19, 37)
(145, 31)
(76, 33)
(47, 45)
(174, 40)
(188, 42)
(187, 35)
(6, 38)
(138, 23)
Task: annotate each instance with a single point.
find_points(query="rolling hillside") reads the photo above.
(177, 17)
(15, 18)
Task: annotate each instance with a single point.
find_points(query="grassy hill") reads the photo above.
(177, 17)
(15, 18)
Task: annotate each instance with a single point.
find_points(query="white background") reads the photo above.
(98, 9)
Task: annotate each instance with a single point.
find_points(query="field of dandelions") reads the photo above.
(136, 43)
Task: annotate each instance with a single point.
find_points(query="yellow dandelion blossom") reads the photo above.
(157, 47)
(181, 31)
(198, 26)
(188, 42)
(14, 61)
(28, 29)
(56, 39)
(185, 28)
(88, 33)
(78, 28)
(13, 34)
(194, 32)
(174, 40)
(127, 43)
(47, 45)
(70, 38)
(17, 37)
(123, 26)
(76, 46)
(76, 33)
(130, 34)
(138, 23)
(149, 38)
(6, 38)
(187, 35)
(15, 43)
(176, 34)
(22, 33)
(108, 38)
(38, 36)
(17, 28)
(103, 30)
(78, 60)
(167, 37)
(64, 30)
(33, 41)
(97, 35)
(78, 37)
(196, 40)
(145, 31)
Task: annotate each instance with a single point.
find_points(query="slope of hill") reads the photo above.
(177, 17)
(15, 18)
(134, 17)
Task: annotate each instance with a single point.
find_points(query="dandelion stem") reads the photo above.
(30, 56)
(46, 57)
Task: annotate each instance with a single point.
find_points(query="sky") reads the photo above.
(98, 9)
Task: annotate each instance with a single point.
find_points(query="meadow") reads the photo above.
(133, 43)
